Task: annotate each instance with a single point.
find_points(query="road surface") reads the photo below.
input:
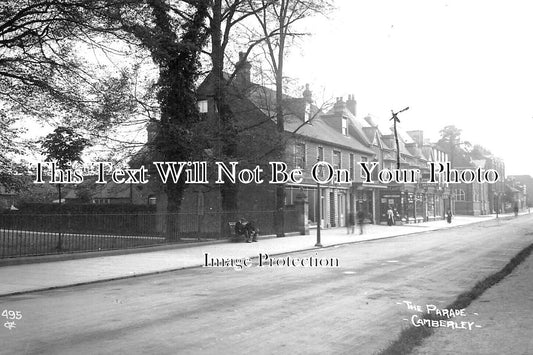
(355, 308)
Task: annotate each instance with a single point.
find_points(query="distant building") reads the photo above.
(7, 198)
(475, 198)
(527, 181)
(517, 193)
(111, 193)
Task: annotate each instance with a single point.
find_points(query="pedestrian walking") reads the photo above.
(515, 209)
(390, 216)
(360, 221)
(351, 223)
(449, 216)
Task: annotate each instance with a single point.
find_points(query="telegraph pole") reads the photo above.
(396, 119)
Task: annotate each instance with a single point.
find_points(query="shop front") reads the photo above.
(365, 203)
(390, 199)
(415, 206)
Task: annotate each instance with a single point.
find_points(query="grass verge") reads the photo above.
(413, 336)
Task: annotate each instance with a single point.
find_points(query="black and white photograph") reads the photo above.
(266, 176)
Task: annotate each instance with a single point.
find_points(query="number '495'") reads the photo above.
(11, 314)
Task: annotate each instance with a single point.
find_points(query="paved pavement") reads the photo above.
(47, 275)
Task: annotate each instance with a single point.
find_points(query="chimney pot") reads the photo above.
(339, 105)
(307, 94)
(243, 68)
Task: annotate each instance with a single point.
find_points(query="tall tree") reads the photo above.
(227, 21)
(63, 147)
(228, 131)
(224, 20)
(174, 34)
(450, 134)
(277, 22)
(9, 146)
(451, 141)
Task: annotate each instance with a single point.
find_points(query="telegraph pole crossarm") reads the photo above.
(396, 119)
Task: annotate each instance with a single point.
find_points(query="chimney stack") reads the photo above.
(307, 94)
(351, 104)
(243, 68)
(340, 105)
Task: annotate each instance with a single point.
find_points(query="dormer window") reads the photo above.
(203, 106)
(345, 126)
(307, 113)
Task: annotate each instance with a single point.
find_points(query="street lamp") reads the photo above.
(497, 195)
(319, 208)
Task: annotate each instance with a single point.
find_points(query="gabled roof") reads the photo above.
(372, 135)
(427, 151)
(415, 151)
(355, 125)
(294, 114)
(321, 131)
(389, 155)
(391, 143)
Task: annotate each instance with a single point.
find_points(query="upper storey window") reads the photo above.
(203, 106)
(345, 126)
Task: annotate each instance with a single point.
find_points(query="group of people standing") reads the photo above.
(392, 214)
(247, 230)
(360, 216)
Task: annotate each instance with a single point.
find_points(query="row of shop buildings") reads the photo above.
(343, 138)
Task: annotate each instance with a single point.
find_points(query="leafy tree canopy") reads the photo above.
(64, 146)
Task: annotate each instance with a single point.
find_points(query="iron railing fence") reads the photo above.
(42, 234)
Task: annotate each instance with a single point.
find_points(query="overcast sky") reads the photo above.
(466, 63)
